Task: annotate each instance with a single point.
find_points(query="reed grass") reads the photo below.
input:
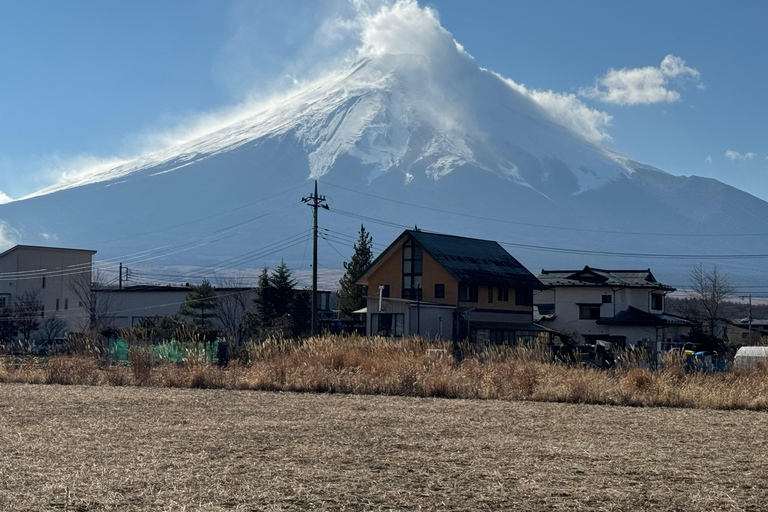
(414, 367)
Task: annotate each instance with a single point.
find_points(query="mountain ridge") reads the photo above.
(451, 137)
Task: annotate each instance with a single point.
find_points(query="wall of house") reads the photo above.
(55, 291)
(495, 304)
(567, 300)
(128, 307)
(431, 321)
(390, 272)
(433, 274)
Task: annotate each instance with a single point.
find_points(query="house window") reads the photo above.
(657, 301)
(618, 341)
(57, 304)
(4, 301)
(324, 301)
(503, 295)
(387, 324)
(439, 291)
(413, 262)
(66, 303)
(589, 311)
(490, 295)
(523, 297)
(385, 290)
(468, 293)
(607, 299)
(43, 281)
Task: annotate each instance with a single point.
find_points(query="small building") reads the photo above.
(740, 332)
(129, 305)
(750, 358)
(450, 287)
(57, 277)
(624, 307)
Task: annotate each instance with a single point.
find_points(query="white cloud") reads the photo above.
(735, 155)
(643, 85)
(406, 28)
(569, 111)
(709, 159)
(4, 198)
(8, 236)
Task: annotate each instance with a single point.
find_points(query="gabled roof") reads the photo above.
(589, 276)
(468, 260)
(634, 316)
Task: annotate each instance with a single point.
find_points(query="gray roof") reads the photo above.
(634, 316)
(589, 276)
(469, 260)
(475, 261)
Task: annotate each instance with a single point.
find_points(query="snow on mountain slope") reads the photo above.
(412, 133)
(409, 113)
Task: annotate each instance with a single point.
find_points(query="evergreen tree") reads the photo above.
(265, 300)
(283, 285)
(351, 296)
(201, 306)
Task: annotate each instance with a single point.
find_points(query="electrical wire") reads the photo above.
(546, 226)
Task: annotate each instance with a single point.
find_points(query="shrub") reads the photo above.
(140, 359)
(71, 370)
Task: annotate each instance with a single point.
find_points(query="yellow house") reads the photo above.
(451, 287)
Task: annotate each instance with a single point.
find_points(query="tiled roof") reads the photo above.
(589, 276)
(475, 261)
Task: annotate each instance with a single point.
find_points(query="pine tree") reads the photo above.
(351, 296)
(265, 302)
(283, 285)
(201, 305)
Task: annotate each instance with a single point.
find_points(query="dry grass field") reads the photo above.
(133, 448)
(411, 367)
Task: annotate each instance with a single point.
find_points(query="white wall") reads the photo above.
(568, 298)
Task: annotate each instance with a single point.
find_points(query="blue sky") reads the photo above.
(86, 81)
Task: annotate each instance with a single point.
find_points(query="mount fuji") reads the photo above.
(395, 139)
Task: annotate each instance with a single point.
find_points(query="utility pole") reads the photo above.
(120, 279)
(315, 201)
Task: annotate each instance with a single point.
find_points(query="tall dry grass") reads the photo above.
(416, 367)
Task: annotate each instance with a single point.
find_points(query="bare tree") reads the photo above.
(96, 301)
(232, 308)
(709, 288)
(27, 311)
(52, 328)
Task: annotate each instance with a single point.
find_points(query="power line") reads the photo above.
(546, 226)
(142, 256)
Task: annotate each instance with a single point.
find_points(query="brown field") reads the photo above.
(133, 448)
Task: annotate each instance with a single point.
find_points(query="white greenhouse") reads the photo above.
(747, 358)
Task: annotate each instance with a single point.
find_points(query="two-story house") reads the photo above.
(451, 287)
(625, 307)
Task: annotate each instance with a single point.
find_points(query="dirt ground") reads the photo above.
(103, 448)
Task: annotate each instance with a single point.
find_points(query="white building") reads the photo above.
(625, 307)
(51, 274)
(130, 305)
